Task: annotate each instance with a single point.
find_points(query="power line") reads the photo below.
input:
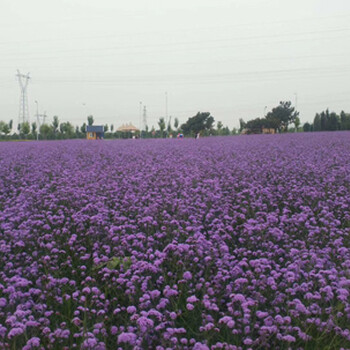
(182, 30)
(252, 75)
(197, 63)
(206, 42)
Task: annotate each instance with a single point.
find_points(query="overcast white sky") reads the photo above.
(229, 57)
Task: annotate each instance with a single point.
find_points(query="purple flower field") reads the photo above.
(218, 243)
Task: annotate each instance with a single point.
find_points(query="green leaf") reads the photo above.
(114, 263)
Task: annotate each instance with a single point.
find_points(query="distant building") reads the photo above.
(250, 131)
(268, 131)
(128, 128)
(95, 132)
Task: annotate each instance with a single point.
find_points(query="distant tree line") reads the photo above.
(282, 118)
(329, 121)
(202, 122)
(5, 128)
(278, 120)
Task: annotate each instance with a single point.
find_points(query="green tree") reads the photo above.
(201, 122)
(219, 127)
(67, 129)
(317, 122)
(168, 129)
(25, 128)
(55, 124)
(324, 120)
(242, 125)
(45, 129)
(70, 128)
(112, 127)
(2, 124)
(161, 124)
(176, 123)
(307, 127)
(105, 128)
(344, 121)
(11, 124)
(34, 127)
(5, 129)
(83, 128)
(334, 122)
(225, 131)
(90, 120)
(297, 123)
(256, 125)
(281, 116)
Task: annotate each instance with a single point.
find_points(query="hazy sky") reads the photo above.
(229, 57)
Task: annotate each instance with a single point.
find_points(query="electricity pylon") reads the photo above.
(23, 113)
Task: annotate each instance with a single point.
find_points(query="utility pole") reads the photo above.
(44, 116)
(166, 112)
(140, 116)
(37, 120)
(23, 113)
(144, 118)
(169, 125)
(38, 116)
(296, 104)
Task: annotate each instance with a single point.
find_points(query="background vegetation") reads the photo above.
(282, 118)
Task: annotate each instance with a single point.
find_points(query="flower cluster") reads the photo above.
(217, 243)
